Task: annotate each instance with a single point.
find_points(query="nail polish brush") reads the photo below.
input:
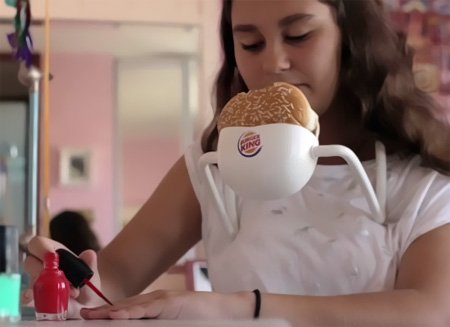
(77, 272)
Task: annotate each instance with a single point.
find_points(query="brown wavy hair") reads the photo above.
(376, 76)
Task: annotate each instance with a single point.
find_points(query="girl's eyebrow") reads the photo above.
(283, 22)
(288, 20)
(245, 28)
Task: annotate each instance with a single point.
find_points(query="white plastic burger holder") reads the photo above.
(274, 161)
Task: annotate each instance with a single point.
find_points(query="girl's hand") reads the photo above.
(178, 305)
(33, 265)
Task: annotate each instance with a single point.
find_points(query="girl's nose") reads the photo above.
(276, 59)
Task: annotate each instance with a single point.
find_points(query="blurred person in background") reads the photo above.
(72, 229)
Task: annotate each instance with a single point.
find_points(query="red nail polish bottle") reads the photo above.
(51, 291)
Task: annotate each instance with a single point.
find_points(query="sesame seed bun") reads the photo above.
(279, 103)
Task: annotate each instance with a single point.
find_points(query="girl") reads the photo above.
(317, 257)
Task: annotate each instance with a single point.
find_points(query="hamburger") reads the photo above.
(278, 103)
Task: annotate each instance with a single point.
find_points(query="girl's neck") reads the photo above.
(344, 127)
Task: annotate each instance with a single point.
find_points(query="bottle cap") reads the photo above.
(9, 249)
(75, 269)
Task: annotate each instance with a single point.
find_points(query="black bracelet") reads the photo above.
(257, 303)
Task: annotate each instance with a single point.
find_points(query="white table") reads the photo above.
(149, 323)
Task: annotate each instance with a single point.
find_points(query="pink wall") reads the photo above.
(81, 115)
(444, 101)
(144, 164)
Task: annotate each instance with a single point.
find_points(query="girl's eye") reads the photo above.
(299, 38)
(252, 47)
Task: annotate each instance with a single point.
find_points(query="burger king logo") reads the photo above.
(249, 144)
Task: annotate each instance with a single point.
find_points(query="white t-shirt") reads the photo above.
(321, 240)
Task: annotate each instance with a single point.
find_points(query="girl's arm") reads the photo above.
(166, 227)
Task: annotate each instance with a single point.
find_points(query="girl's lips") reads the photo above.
(302, 87)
